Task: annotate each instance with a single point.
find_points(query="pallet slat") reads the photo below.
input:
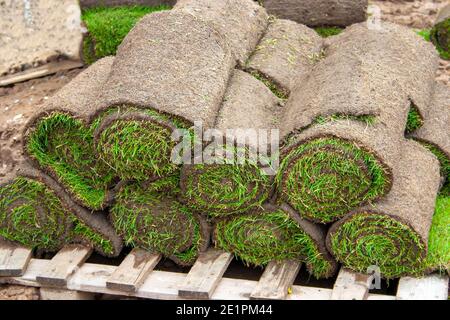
(350, 286)
(13, 260)
(63, 264)
(276, 280)
(433, 287)
(205, 275)
(133, 270)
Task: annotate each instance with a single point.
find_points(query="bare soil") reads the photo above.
(18, 101)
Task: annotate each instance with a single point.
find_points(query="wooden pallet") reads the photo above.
(67, 276)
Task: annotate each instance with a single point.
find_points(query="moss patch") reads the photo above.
(325, 178)
(258, 239)
(32, 215)
(148, 218)
(368, 239)
(108, 26)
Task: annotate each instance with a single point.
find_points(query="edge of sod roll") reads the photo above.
(271, 234)
(33, 215)
(325, 177)
(148, 216)
(108, 26)
(440, 36)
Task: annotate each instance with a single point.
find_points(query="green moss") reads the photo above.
(108, 26)
(377, 239)
(414, 121)
(440, 36)
(32, 215)
(150, 218)
(325, 178)
(438, 257)
(63, 145)
(139, 150)
(445, 166)
(276, 90)
(326, 32)
(258, 239)
(224, 189)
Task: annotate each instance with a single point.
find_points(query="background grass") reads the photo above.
(108, 26)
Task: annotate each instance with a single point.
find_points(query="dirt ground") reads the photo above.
(18, 102)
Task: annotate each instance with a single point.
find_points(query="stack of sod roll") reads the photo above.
(152, 147)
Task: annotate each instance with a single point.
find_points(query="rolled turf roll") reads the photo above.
(275, 234)
(440, 34)
(393, 232)
(342, 123)
(319, 12)
(148, 216)
(171, 70)
(230, 186)
(241, 22)
(37, 213)
(59, 139)
(287, 51)
(435, 132)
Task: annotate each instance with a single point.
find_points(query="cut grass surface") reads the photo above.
(258, 239)
(325, 178)
(445, 166)
(367, 239)
(326, 32)
(108, 26)
(140, 149)
(150, 218)
(276, 90)
(440, 36)
(432, 35)
(224, 189)
(414, 121)
(63, 146)
(32, 215)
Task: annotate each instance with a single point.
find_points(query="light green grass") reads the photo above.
(325, 178)
(258, 239)
(150, 218)
(108, 26)
(376, 239)
(32, 215)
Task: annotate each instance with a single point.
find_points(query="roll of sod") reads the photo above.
(37, 213)
(171, 70)
(59, 139)
(342, 123)
(440, 34)
(107, 26)
(241, 22)
(319, 12)
(148, 216)
(435, 133)
(234, 184)
(275, 234)
(287, 52)
(393, 232)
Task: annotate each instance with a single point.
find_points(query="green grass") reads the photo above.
(438, 257)
(139, 150)
(150, 218)
(368, 239)
(432, 36)
(32, 215)
(326, 32)
(258, 239)
(414, 121)
(440, 36)
(64, 146)
(224, 189)
(445, 166)
(325, 178)
(276, 90)
(108, 26)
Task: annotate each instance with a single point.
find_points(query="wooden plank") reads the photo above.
(133, 270)
(63, 264)
(42, 71)
(276, 280)
(381, 297)
(13, 259)
(350, 286)
(432, 287)
(63, 294)
(309, 293)
(205, 275)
